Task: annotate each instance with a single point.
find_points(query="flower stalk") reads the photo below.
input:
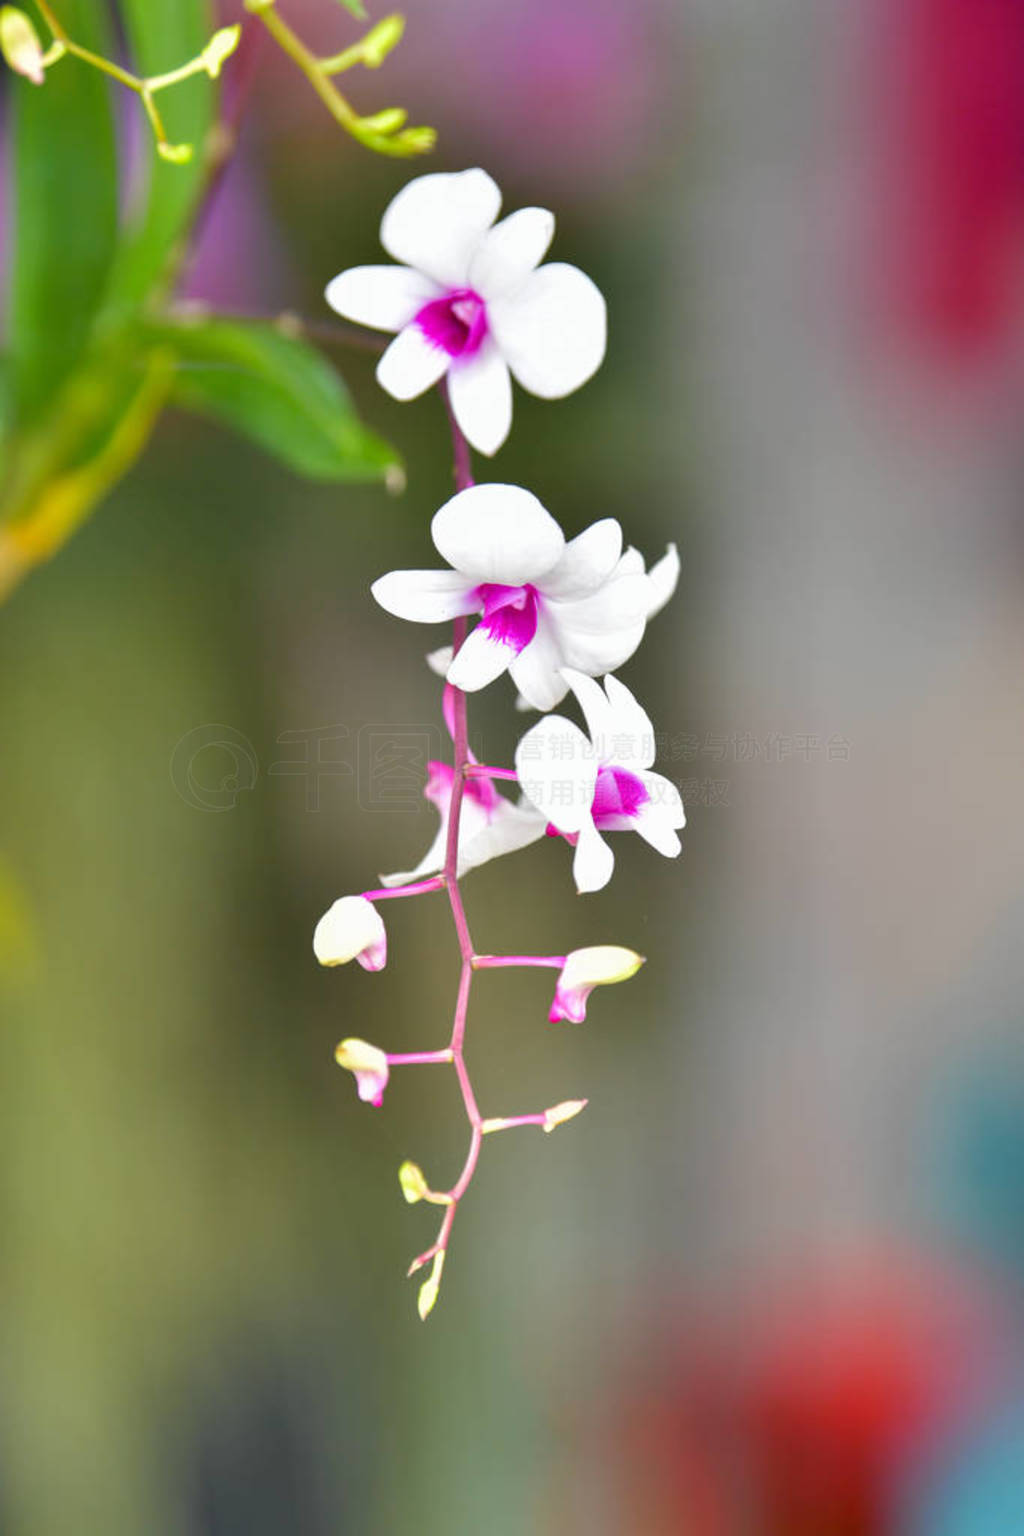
(385, 131)
(210, 61)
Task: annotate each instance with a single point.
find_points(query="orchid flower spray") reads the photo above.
(472, 306)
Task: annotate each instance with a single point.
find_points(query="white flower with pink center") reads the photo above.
(471, 301)
(489, 824)
(590, 784)
(545, 604)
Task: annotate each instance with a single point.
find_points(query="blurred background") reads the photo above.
(771, 1281)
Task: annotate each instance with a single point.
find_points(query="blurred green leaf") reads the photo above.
(162, 34)
(18, 943)
(279, 391)
(356, 7)
(63, 180)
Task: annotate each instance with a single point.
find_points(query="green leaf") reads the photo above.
(63, 178)
(279, 391)
(356, 7)
(163, 34)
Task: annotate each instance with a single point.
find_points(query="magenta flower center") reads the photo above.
(619, 794)
(510, 614)
(457, 323)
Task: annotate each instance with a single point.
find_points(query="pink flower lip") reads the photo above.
(510, 614)
(457, 323)
(618, 797)
(440, 779)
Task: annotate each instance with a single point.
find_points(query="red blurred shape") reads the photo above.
(804, 1420)
(953, 72)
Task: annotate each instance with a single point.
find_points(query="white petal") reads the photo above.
(411, 364)
(593, 861)
(513, 827)
(552, 331)
(658, 833)
(425, 597)
(596, 653)
(497, 533)
(631, 564)
(600, 632)
(588, 561)
(430, 864)
(440, 660)
(630, 720)
(386, 298)
(665, 799)
(597, 712)
(663, 577)
(436, 223)
(537, 670)
(557, 772)
(479, 661)
(510, 251)
(480, 391)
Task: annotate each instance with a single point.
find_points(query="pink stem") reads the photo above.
(496, 962)
(420, 888)
(463, 480)
(419, 1058)
(482, 771)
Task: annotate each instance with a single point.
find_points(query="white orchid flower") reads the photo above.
(351, 929)
(489, 825)
(586, 785)
(471, 301)
(546, 604)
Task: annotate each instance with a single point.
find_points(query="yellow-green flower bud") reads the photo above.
(387, 121)
(414, 1185)
(380, 40)
(220, 47)
(430, 1287)
(174, 154)
(560, 1113)
(20, 45)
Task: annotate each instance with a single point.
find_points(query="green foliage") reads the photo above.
(92, 352)
(277, 390)
(63, 199)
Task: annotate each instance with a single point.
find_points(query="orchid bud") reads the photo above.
(20, 45)
(220, 47)
(560, 1113)
(174, 154)
(368, 1065)
(380, 40)
(417, 141)
(430, 1287)
(387, 121)
(413, 1182)
(585, 969)
(352, 929)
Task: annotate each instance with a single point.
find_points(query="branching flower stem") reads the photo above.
(463, 472)
(384, 131)
(208, 62)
